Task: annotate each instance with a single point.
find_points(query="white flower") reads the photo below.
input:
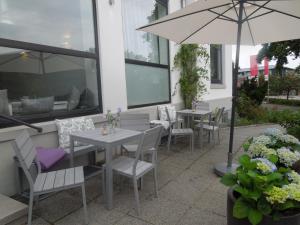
(294, 177)
(265, 166)
(287, 157)
(273, 132)
(289, 139)
(260, 150)
(263, 139)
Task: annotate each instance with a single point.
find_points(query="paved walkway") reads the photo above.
(189, 192)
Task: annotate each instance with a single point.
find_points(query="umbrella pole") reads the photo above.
(223, 168)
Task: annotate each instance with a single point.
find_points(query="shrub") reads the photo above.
(290, 102)
(255, 90)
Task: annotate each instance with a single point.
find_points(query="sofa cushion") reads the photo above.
(4, 109)
(37, 105)
(69, 126)
(49, 156)
(74, 99)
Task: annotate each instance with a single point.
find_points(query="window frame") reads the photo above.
(157, 65)
(219, 81)
(10, 43)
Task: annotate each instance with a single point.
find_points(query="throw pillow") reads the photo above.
(38, 105)
(49, 156)
(69, 126)
(74, 99)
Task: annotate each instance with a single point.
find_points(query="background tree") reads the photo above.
(280, 51)
(289, 83)
(191, 60)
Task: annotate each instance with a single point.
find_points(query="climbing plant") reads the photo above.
(191, 60)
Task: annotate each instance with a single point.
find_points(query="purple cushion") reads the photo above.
(49, 156)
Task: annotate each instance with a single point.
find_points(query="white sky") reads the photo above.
(247, 51)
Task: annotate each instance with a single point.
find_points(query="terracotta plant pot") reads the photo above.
(267, 220)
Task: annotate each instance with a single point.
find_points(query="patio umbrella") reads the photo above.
(240, 22)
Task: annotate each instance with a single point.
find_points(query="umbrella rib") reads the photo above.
(224, 17)
(263, 14)
(236, 12)
(209, 22)
(185, 15)
(249, 27)
(275, 10)
(259, 8)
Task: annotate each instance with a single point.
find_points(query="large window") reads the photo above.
(147, 55)
(49, 65)
(216, 64)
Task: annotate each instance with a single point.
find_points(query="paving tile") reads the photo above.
(213, 202)
(97, 215)
(201, 217)
(129, 220)
(160, 211)
(58, 206)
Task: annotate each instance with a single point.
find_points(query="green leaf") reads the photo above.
(274, 176)
(229, 179)
(246, 146)
(264, 206)
(255, 216)
(240, 209)
(244, 179)
(287, 205)
(245, 160)
(273, 158)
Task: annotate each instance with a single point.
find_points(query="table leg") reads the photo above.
(109, 178)
(71, 152)
(201, 132)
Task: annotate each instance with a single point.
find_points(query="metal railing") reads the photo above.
(20, 122)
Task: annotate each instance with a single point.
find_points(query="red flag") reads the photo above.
(266, 66)
(253, 66)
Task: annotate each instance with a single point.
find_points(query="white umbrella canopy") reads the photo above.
(215, 22)
(240, 22)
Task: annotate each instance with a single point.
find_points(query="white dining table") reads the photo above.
(190, 114)
(109, 142)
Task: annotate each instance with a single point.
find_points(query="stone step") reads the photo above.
(10, 209)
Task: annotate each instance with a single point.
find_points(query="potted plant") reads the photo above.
(265, 189)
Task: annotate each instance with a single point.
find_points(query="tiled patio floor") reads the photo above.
(189, 192)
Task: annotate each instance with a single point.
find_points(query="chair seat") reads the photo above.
(130, 147)
(207, 127)
(185, 131)
(124, 165)
(59, 179)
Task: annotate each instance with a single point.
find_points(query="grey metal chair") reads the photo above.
(134, 121)
(174, 132)
(46, 183)
(213, 125)
(134, 168)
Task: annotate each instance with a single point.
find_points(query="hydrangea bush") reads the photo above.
(265, 182)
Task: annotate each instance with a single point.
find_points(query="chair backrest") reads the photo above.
(168, 117)
(162, 112)
(219, 115)
(135, 121)
(26, 154)
(201, 105)
(148, 142)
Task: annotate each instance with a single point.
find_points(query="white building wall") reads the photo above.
(112, 59)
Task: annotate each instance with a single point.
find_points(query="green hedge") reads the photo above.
(290, 102)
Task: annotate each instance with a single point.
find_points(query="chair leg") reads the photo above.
(103, 183)
(213, 137)
(136, 195)
(208, 136)
(155, 181)
(192, 142)
(84, 204)
(219, 140)
(30, 208)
